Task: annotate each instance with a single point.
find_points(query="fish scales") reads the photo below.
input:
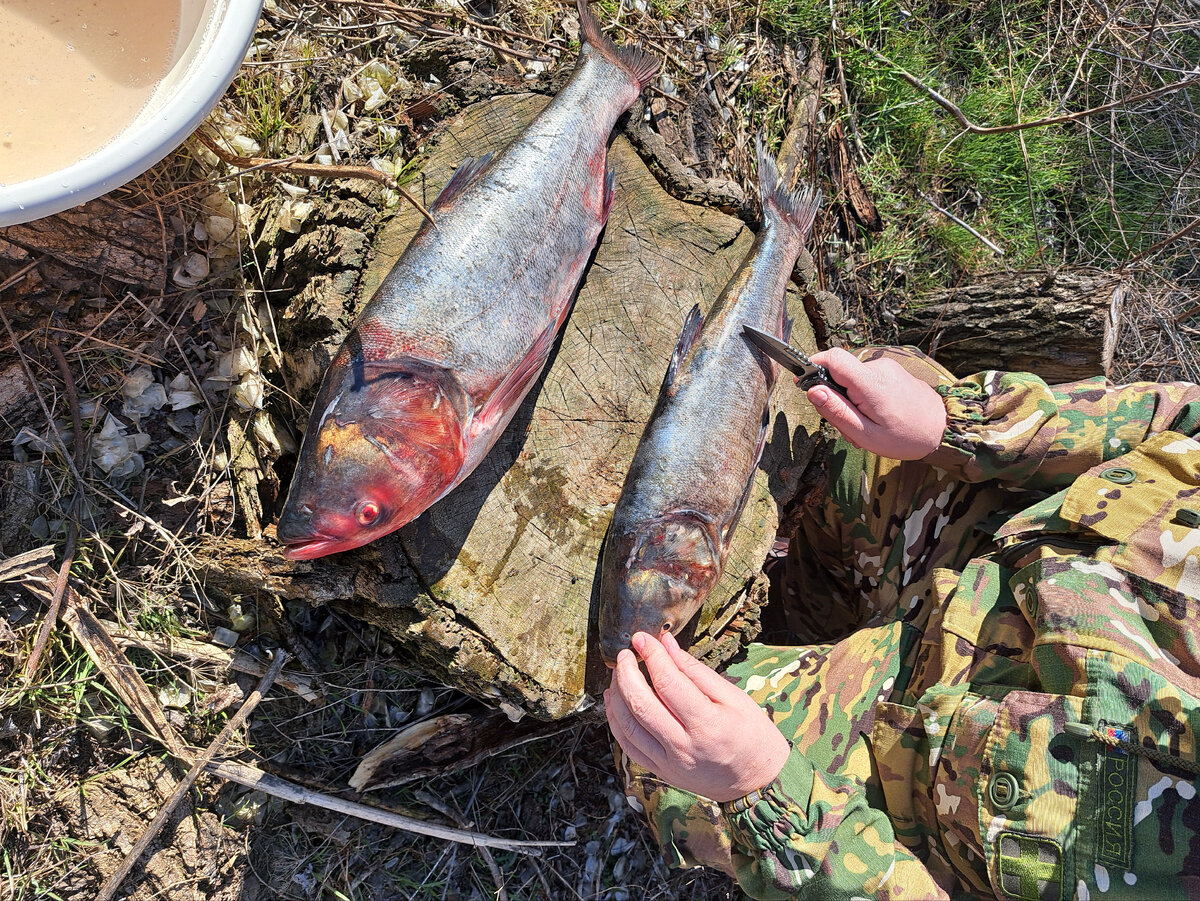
(458, 331)
(691, 473)
(492, 275)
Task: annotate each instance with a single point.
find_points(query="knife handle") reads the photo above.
(822, 377)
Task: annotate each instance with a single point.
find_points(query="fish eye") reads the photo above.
(368, 513)
(666, 627)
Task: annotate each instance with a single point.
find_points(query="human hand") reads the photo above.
(891, 412)
(692, 727)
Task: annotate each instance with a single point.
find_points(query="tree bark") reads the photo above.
(493, 589)
(1060, 325)
(102, 236)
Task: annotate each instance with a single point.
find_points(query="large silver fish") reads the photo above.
(691, 474)
(444, 352)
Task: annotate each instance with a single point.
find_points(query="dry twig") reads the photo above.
(195, 653)
(253, 777)
(991, 245)
(295, 167)
(64, 570)
(18, 275)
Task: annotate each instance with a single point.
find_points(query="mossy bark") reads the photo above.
(494, 588)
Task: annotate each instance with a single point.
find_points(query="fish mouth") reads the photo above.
(609, 649)
(311, 548)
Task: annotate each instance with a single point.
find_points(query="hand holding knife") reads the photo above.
(810, 374)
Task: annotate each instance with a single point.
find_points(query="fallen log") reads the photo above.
(102, 236)
(493, 589)
(1061, 325)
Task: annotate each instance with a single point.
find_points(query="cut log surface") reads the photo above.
(1055, 324)
(493, 589)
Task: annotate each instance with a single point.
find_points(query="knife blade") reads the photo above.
(810, 374)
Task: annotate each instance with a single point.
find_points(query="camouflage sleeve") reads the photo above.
(1015, 428)
(814, 835)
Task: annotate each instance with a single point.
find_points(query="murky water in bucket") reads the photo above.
(74, 74)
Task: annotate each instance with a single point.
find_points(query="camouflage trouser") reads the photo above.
(860, 564)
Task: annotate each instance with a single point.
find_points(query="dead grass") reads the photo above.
(366, 83)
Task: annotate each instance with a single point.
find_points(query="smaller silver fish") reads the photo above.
(691, 474)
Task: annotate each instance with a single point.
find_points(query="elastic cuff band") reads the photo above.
(742, 804)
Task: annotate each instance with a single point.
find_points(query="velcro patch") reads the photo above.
(1118, 783)
(1031, 867)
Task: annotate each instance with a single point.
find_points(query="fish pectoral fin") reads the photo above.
(610, 189)
(731, 523)
(464, 176)
(509, 393)
(692, 323)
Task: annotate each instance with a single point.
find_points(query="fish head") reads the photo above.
(384, 442)
(655, 579)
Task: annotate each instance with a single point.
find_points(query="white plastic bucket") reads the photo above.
(214, 35)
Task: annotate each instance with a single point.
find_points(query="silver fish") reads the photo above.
(691, 474)
(444, 352)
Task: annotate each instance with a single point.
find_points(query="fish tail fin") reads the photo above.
(641, 66)
(797, 209)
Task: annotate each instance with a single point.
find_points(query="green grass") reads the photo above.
(1001, 184)
(264, 105)
(1045, 195)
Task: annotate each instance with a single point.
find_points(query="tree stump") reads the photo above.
(493, 589)
(1060, 325)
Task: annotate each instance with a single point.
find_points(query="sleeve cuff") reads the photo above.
(965, 413)
(785, 796)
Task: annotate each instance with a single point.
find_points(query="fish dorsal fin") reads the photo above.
(464, 176)
(692, 323)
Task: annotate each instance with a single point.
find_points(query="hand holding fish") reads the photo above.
(891, 412)
(689, 725)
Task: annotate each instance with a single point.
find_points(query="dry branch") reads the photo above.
(121, 675)
(675, 178)
(846, 183)
(799, 143)
(983, 239)
(15, 568)
(257, 779)
(293, 166)
(64, 570)
(202, 652)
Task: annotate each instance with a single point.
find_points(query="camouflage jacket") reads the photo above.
(1024, 726)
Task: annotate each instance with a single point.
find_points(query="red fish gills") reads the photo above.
(692, 472)
(445, 351)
